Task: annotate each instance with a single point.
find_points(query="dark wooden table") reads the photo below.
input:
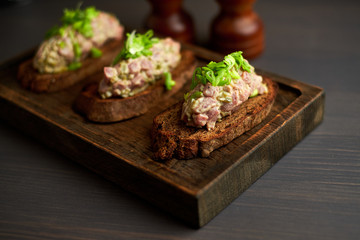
(313, 192)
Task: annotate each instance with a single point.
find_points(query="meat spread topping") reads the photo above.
(218, 89)
(143, 60)
(81, 34)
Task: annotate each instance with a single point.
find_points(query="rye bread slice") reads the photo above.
(171, 138)
(96, 109)
(31, 79)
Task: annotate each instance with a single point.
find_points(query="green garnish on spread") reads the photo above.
(169, 82)
(137, 45)
(62, 44)
(195, 95)
(80, 21)
(79, 36)
(218, 89)
(254, 93)
(221, 73)
(74, 66)
(95, 52)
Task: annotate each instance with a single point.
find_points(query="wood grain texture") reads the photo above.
(194, 190)
(311, 193)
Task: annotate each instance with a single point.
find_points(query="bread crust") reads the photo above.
(171, 138)
(97, 109)
(31, 79)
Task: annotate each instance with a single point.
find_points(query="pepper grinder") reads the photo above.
(168, 18)
(237, 28)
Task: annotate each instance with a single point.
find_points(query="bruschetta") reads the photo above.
(86, 41)
(227, 99)
(146, 70)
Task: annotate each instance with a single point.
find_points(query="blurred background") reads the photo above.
(311, 193)
(291, 29)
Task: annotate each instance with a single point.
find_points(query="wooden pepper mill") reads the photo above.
(168, 18)
(237, 27)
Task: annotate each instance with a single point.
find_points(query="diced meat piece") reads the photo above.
(235, 96)
(110, 72)
(244, 94)
(67, 53)
(146, 64)
(138, 81)
(227, 107)
(209, 90)
(134, 67)
(213, 114)
(103, 87)
(246, 77)
(200, 119)
(86, 46)
(120, 85)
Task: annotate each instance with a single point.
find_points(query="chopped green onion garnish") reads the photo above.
(95, 52)
(169, 83)
(79, 20)
(221, 73)
(77, 50)
(74, 65)
(254, 93)
(62, 44)
(186, 96)
(136, 45)
(196, 95)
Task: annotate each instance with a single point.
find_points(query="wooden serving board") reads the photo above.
(193, 190)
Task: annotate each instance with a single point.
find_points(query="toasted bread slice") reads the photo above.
(171, 138)
(96, 109)
(31, 79)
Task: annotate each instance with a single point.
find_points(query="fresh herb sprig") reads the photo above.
(221, 73)
(79, 20)
(137, 45)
